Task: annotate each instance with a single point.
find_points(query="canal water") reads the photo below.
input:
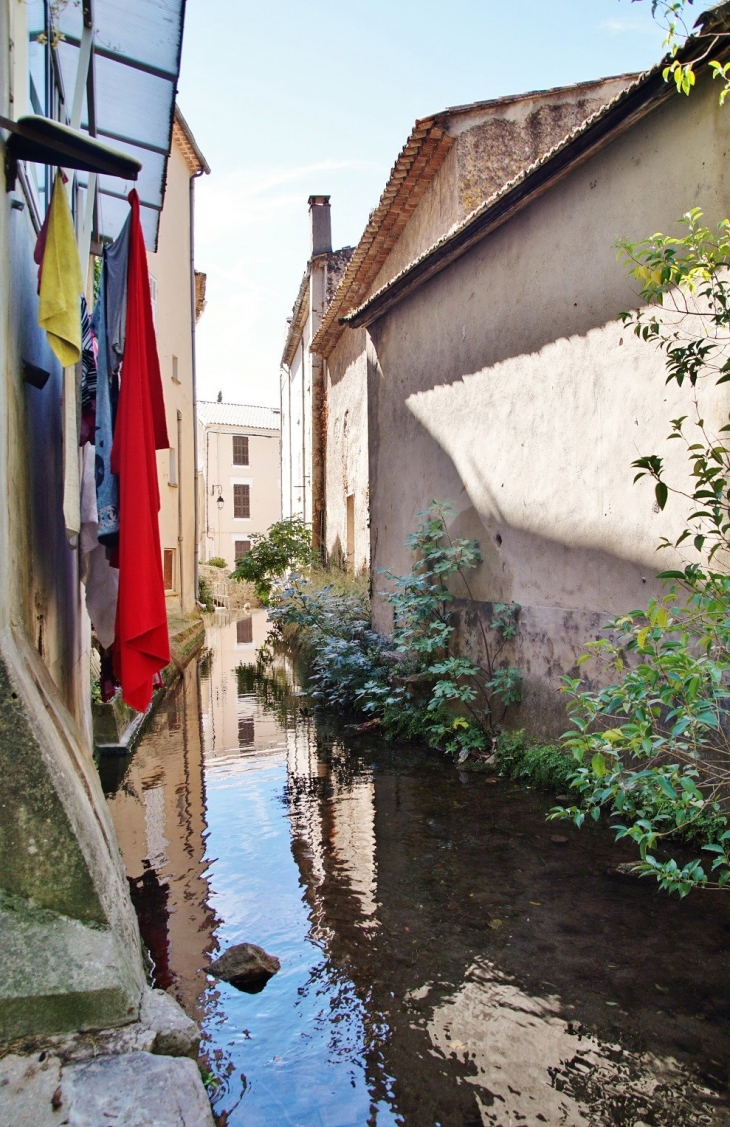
(444, 961)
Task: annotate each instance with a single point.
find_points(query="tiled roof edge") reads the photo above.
(516, 192)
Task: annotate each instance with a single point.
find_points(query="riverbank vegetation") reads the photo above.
(411, 684)
(653, 746)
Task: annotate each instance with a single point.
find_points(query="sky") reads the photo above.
(291, 98)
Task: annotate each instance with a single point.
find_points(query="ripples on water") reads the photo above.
(444, 963)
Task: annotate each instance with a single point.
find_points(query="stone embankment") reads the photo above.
(144, 1074)
(117, 727)
(228, 593)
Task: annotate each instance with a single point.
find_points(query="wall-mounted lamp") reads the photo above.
(220, 502)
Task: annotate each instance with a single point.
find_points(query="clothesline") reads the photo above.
(113, 408)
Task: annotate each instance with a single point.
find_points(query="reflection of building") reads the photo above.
(231, 716)
(334, 828)
(158, 809)
(238, 454)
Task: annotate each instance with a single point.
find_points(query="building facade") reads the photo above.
(64, 901)
(500, 376)
(239, 458)
(174, 283)
(449, 165)
(302, 379)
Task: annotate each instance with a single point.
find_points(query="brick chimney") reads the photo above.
(320, 224)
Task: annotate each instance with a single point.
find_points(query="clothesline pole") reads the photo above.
(82, 74)
(84, 236)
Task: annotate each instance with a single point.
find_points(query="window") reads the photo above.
(240, 548)
(242, 501)
(240, 449)
(244, 631)
(245, 731)
(169, 568)
(172, 476)
(174, 370)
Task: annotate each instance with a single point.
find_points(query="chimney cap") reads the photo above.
(318, 201)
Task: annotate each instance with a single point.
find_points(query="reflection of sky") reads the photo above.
(302, 1052)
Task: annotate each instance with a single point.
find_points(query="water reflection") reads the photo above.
(158, 805)
(444, 963)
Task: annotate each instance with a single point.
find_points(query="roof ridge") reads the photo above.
(228, 403)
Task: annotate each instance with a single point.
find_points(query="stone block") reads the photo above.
(175, 1034)
(134, 1090)
(58, 973)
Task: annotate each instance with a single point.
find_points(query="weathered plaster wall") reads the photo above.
(67, 928)
(296, 422)
(507, 384)
(490, 152)
(170, 267)
(492, 144)
(347, 450)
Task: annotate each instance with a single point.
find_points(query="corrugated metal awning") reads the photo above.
(129, 98)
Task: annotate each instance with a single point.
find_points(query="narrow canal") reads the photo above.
(444, 962)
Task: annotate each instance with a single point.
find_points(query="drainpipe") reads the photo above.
(180, 512)
(196, 506)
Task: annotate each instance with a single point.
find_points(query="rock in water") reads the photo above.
(245, 966)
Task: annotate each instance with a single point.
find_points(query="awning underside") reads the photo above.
(135, 66)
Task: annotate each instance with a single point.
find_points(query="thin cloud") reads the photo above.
(618, 27)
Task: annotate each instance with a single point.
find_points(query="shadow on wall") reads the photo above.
(348, 353)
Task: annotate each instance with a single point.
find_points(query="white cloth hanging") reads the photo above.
(100, 579)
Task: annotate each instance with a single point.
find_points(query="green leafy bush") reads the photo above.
(547, 766)
(286, 545)
(412, 685)
(217, 561)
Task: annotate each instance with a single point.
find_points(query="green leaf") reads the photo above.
(661, 493)
(598, 765)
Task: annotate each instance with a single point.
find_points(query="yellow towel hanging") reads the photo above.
(59, 310)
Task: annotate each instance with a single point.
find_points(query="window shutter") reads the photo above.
(240, 548)
(242, 501)
(245, 731)
(240, 449)
(244, 631)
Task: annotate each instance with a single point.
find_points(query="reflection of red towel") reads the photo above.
(141, 646)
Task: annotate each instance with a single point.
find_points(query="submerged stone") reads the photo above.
(245, 966)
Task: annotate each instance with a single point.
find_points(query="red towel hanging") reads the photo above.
(142, 646)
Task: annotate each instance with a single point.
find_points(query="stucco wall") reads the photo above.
(170, 267)
(507, 384)
(261, 474)
(347, 450)
(296, 422)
